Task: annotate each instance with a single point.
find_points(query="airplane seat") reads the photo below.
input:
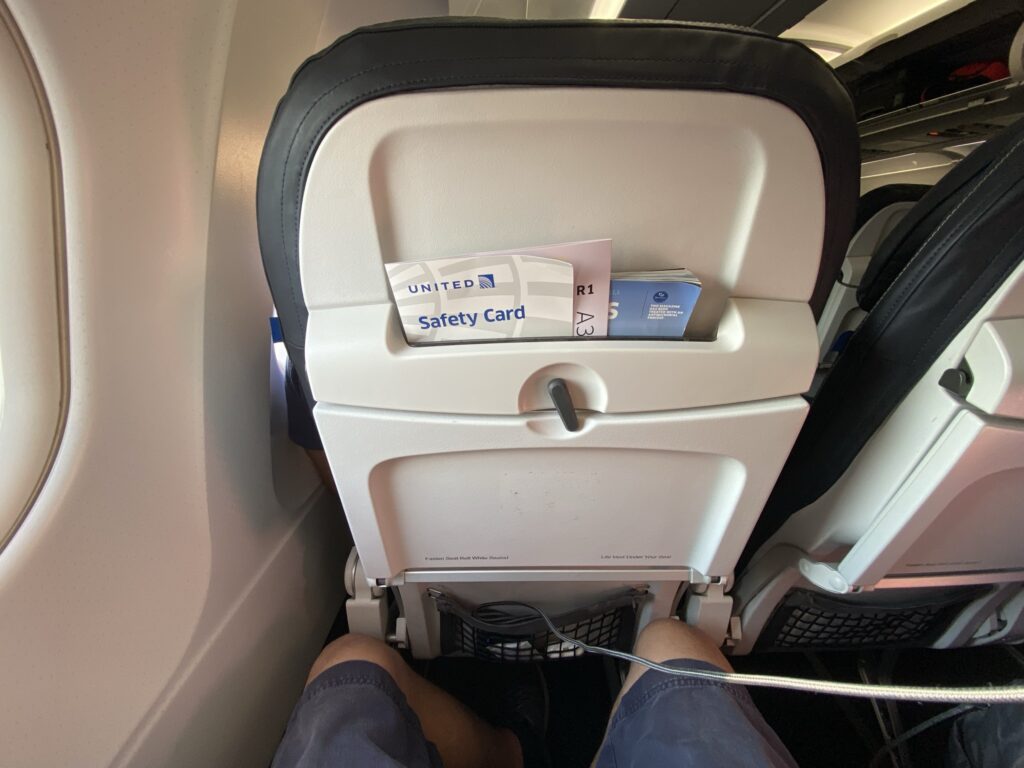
(896, 517)
(725, 151)
(878, 212)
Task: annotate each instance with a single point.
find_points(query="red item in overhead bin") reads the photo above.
(975, 73)
(986, 70)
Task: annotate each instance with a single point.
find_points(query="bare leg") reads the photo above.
(667, 639)
(461, 737)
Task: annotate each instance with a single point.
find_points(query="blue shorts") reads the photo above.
(354, 714)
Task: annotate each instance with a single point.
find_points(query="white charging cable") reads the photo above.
(938, 694)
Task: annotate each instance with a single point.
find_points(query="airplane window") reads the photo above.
(32, 386)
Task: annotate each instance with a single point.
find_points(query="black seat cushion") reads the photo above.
(389, 59)
(953, 250)
(910, 234)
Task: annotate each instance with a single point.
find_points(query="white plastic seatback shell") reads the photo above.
(959, 512)
(936, 490)
(996, 359)
(976, 508)
(441, 458)
(765, 349)
(727, 185)
(678, 489)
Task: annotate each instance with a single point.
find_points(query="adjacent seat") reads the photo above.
(878, 213)
(907, 477)
(725, 151)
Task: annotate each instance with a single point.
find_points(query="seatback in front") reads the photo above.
(389, 61)
(724, 151)
(930, 277)
(896, 519)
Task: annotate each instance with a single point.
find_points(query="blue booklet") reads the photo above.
(655, 304)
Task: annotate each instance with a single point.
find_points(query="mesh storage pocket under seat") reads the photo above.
(808, 620)
(509, 631)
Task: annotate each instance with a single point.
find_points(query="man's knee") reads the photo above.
(358, 648)
(666, 639)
